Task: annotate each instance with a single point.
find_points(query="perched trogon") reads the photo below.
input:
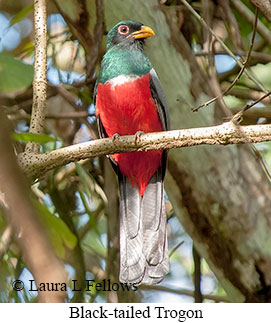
(129, 99)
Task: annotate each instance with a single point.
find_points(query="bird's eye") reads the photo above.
(123, 30)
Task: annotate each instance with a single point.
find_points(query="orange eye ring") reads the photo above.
(123, 29)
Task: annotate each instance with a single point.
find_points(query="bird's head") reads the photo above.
(127, 34)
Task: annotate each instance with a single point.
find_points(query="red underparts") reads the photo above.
(126, 109)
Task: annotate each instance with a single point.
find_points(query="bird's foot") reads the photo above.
(115, 137)
(137, 136)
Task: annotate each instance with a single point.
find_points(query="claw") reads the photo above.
(115, 137)
(137, 136)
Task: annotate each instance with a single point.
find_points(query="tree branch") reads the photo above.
(264, 6)
(35, 165)
(40, 80)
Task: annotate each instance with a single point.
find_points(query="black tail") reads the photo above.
(143, 236)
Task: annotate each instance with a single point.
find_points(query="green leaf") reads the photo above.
(69, 7)
(262, 72)
(92, 244)
(21, 14)
(32, 137)
(84, 95)
(3, 223)
(88, 211)
(28, 48)
(59, 233)
(91, 187)
(14, 74)
(84, 177)
(233, 102)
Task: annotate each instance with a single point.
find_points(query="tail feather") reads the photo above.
(132, 262)
(143, 237)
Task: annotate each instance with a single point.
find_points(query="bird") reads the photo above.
(130, 101)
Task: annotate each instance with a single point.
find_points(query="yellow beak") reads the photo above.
(144, 32)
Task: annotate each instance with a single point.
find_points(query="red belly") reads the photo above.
(126, 109)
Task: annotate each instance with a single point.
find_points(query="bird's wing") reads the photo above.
(162, 108)
(101, 130)
(160, 99)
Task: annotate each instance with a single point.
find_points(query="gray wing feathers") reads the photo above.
(143, 237)
(160, 98)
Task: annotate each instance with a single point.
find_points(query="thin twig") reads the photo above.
(228, 51)
(229, 18)
(71, 99)
(247, 93)
(249, 16)
(245, 63)
(67, 115)
(197, 276)
(78, 27)
(239, 115)
(253, 115)
(236, 118)
(261, 161)
(98, 33)
(259, 57)
(185, 292)
(175, 248)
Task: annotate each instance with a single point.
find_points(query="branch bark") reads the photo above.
(35, 165)
(40, 79)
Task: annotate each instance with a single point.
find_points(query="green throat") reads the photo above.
(122, 61)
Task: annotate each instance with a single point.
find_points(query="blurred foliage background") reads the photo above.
(75, 202)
